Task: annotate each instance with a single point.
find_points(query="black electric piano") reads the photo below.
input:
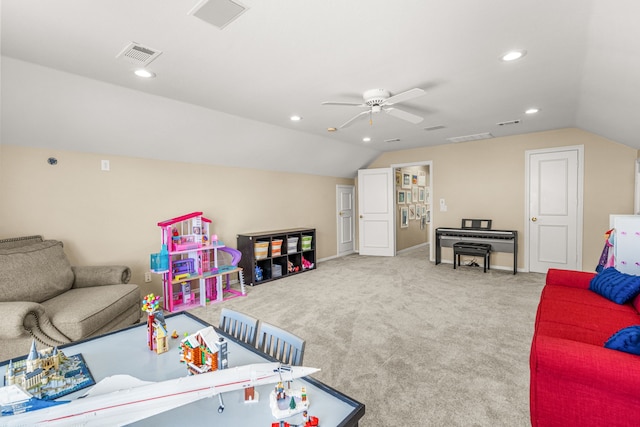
(500, 240)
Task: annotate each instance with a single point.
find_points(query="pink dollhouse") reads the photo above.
(191, 275)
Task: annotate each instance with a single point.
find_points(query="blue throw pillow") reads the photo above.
(627, 340)
(616, 286)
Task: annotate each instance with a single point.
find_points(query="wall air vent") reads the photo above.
(392, 140)
(474, 137)
(139, 55)
(436, 127)
(218, 13)
(510, 122)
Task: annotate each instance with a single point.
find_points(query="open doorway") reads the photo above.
(345, 219)
(413, 204)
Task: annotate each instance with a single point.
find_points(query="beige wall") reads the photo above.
(111, 217)
(486, 179)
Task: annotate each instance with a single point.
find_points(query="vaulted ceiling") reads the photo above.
(285, 57)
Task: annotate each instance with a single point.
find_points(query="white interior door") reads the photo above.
(554, 220)
(345, 207)
(376, 212)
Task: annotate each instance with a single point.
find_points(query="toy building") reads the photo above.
(49, 373)
(188, 263)
(157, 334)
(36, 368)
(204, 351)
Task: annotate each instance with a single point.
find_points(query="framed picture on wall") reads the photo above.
(406, 180)
(404, 217)
(401, 197)
(418, 211)
(421, 194)
(407, 196)
(422, 178)
(398, 178)
(412, 211)
(414, 179)
(414, 194)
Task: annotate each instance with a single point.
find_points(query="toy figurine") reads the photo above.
(280, 394)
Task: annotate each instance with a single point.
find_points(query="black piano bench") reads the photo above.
(472, 249)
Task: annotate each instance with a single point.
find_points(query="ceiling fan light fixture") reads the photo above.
(513, 55)
(378, 100)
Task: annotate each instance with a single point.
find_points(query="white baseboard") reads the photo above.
(412, 248)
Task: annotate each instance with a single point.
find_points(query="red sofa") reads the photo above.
(575, 380)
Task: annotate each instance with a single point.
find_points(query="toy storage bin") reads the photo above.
(261, 250)
(276, 247)
(306, 243)
(276, 270)
(292, 244)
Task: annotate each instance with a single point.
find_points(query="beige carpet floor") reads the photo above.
(418, 344)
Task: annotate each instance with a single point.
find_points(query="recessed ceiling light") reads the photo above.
(331, 129)
(532, 110)
(144, 73)
(512, 55)
(366, 139)
(295, 118)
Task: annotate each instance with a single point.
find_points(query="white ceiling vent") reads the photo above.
(436, 127)
(392, 140)
(474, 137)
(510, 122)
(139, 55)
(218, 13)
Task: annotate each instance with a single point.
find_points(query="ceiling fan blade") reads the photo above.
(404, 96)
(351, 104)
(401, 114)
(354, 118)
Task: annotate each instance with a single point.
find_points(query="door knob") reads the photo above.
(534, 219)
(340, 213)
(361, 217)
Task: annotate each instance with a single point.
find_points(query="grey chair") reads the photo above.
(280, 344)
(239, 325)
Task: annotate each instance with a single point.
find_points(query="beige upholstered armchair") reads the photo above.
(43, 297)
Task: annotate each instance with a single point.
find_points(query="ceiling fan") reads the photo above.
(376, 100)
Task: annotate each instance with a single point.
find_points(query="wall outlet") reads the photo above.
(104, 165)
(147, 276)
